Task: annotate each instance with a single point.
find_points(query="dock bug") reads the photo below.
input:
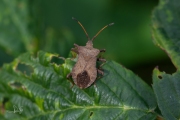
(84, 73)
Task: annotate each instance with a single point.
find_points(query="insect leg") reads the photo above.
(98, 77)
(102, 50)
(101, 59)
(100, 71)
(68, 76)
(76, 45)
(74, 50)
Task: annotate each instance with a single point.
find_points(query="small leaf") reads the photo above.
(47, 94)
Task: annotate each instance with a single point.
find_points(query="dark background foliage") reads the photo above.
(31, 25)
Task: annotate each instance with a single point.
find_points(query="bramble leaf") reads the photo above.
(44, 92)
(166, 33)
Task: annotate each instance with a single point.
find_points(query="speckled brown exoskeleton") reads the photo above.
(84, 73)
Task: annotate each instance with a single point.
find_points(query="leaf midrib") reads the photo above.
(124, 108)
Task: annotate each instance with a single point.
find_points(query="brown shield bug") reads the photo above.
(84, 73)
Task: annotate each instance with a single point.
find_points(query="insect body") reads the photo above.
(84, 72)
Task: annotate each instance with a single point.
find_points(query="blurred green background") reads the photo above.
(32, 25)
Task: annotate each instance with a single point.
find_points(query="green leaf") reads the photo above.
(45, 93)
(166, 28)
(14, 21)
(167, 92)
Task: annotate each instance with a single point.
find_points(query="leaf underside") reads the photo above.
(45, 93)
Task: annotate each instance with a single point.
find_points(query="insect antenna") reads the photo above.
(102, 30)
(82, 27)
